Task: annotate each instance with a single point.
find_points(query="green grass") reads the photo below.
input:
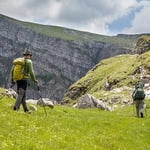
(120, 71)
(66, 128)
(117, 69)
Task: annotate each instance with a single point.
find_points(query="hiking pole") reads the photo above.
(145, 110)
(12, 84)
(41, 99)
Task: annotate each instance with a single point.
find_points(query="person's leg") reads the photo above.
(23, 102)
(20, 92)
(141, 108)
(137, 108)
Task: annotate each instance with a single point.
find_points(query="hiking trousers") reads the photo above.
(139, 107)
(21, 90)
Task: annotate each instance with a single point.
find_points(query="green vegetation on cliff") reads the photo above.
(121, 72)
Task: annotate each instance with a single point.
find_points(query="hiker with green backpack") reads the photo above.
(138, 96)
(21, 71)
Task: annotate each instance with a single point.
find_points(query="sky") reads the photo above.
(107, 17)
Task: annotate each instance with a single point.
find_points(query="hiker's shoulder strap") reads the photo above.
(19, 61)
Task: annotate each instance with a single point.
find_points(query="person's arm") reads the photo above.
(11, 76)
(31, 71)
(133, 95)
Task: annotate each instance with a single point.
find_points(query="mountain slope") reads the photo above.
(67, 128)
(71, 34)
(121, 71)
(61, 56)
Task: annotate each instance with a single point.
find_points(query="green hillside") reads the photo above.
(67, 128)
(71, 34)
(120, 71)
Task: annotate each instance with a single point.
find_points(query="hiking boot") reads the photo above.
(28, 112)
(142, 115)
(14, 108)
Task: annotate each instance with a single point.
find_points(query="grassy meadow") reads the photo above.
(66, 128)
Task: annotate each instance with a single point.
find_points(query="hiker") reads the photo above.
(138, 96)
(21, 77)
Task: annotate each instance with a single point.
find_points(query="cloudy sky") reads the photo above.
(108, 17)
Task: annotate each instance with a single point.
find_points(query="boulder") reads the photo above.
(11, 93)
(45, 102)
(33, 108)
(89, 101)
(41, 102)
(32, 101)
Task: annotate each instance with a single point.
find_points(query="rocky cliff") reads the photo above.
(58, 61)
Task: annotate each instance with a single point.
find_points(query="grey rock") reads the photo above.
(43, 102)
(33, 107)
(10, 93)
(31, 101)
(89, 101)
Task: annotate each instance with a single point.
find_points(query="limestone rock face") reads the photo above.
(57, 62)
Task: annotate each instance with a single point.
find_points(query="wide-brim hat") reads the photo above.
(27, 52)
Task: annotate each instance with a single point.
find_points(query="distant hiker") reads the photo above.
(138, 96)
(21, 71)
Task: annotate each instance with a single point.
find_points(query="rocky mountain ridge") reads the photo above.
(58, 62)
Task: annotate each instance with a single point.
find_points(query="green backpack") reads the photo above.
(139, 94)
(18, 70)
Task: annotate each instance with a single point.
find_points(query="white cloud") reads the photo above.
(141, 22)
(87, 15)
(93, 16)
(53, 9)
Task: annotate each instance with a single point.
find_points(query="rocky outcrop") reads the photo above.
(143, 44)
(89, 101)
(57, 62)
(9, 93)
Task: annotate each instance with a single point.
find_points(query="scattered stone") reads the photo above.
(41, 102)
(31, 101)
(33, 108)
(10, 93)
(115, 100)
(126, 102)
(75, 105)
(45, 102)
